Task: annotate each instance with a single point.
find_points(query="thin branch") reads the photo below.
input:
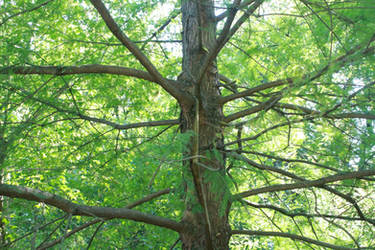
(256, 89)
(291, 236)
(244, 17)
(70, 233)
(94, 234)
(148, 198)
(296, 214)
(300, 180)
(29, 233)
(254, 137)
(226, 13)
(306, 184)
(262, 106)
(320, 114)
(289, 159)
(84, 210)
(338, 62)
(174, 244)
(161, 28)
(95, 119)
(25, 11)
(265, 167)
(347, 99)
(306, 3)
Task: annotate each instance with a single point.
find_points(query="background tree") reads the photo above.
(243, 124)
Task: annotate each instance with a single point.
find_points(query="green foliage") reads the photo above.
(47, 143)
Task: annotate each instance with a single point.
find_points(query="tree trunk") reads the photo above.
(206, 216)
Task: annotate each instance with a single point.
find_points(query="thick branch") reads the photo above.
(93, 222)
(129, 126)
(73, 70)
(306, 184)
(115, 29)
(83, 210)
(291, 236)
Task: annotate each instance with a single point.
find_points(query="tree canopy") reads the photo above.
(200, 124)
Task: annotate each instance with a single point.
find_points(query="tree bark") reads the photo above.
(205, 217)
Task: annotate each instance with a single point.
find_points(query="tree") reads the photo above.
(226, 123)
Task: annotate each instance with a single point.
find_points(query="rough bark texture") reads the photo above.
(205, 217)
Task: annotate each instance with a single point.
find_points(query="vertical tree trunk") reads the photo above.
(205, 217)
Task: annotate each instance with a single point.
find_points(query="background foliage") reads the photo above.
(46, 144)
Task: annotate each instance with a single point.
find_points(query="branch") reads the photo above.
(161, 28)
(306, 184)
(254, 137)
(296, 214)
(262, 106)
(84, 210)
(291, 236)
(338, 62)
(242, 6)
(285, 159)
(265, 167)
(326, 115)
(83, 69)
(68, 234)
(6, 245)
(116, 31)
(95, 119)
(245, 16)
(301, 181)
(148, 198)
(251, 91)
(129, 126)
(93, 222)
(25, 11)
(120, 44)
